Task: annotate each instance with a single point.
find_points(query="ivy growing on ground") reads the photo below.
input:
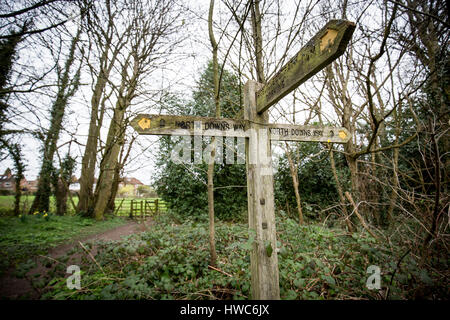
(171, 262)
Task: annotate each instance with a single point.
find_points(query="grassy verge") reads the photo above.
(22, 238)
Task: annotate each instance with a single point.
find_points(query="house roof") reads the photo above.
(133, 181)
(7, 176)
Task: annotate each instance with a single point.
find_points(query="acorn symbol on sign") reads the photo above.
(144, 123)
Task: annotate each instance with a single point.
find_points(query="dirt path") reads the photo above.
(12, 287)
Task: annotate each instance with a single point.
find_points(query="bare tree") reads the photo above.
(105, 44)
(47, 14)
(68, 83)
(155, 23)
(210, 173)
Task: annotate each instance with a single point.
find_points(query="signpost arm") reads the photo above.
(261, 209)
(325, 47)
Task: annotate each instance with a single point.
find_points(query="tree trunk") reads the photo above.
(89, 160)
(17, 196)
(212, 240)
(106, 62)
(395, 181)
(257, 39)
(41, 201)
(110, 159)
(110, 207)
(294, 173)
(340, 193)
(61, 194)
(116, 180)
(66, 89)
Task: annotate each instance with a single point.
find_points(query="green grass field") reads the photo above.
(122, 204)
(30, 235)
(22, 238)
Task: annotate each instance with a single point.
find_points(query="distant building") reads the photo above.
(32, 185)
(130, 181)
(8, 182)
(74, 184)
(125, 181)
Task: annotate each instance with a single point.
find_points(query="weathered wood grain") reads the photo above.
(327, 45)
(149, 124)
(261, 208)
(204, 126)
(287, 132)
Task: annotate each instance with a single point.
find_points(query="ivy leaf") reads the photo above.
(330, 280)
(269, 248)
(246, 246)
(425, 278)
(299, 283)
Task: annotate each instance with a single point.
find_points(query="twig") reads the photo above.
(218, 270)
(363, 222)
(311, 284)
(92, 257)
(393, 274)
(52, 259)
(118, 208)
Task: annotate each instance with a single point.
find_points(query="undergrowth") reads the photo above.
(172, 262)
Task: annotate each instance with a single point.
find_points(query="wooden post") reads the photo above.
(156, 206)
(142, 210)
(261, 210)
(328, 44)
(116, 212)
(131, 209)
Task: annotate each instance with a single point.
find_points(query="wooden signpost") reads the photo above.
(327, 45)
(148, 124)
(189, 125)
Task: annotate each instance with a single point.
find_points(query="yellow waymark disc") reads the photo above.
(144, 123)
(342, 135)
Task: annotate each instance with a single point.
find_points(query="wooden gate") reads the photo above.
(144, 208)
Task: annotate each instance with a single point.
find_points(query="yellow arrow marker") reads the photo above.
(327, 39)
(144, 123)
(342, 135)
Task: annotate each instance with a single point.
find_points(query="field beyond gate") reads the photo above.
(139, 207)
(122, 205)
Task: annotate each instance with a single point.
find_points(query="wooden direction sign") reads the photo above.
(192, 125)
(287, 132)
(321, 50)
(327, 45)
(189, 125)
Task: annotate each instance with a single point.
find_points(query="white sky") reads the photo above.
(179, 76)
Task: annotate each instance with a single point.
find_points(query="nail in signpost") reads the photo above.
(326, 46)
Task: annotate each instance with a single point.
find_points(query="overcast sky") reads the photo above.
(180, 76)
